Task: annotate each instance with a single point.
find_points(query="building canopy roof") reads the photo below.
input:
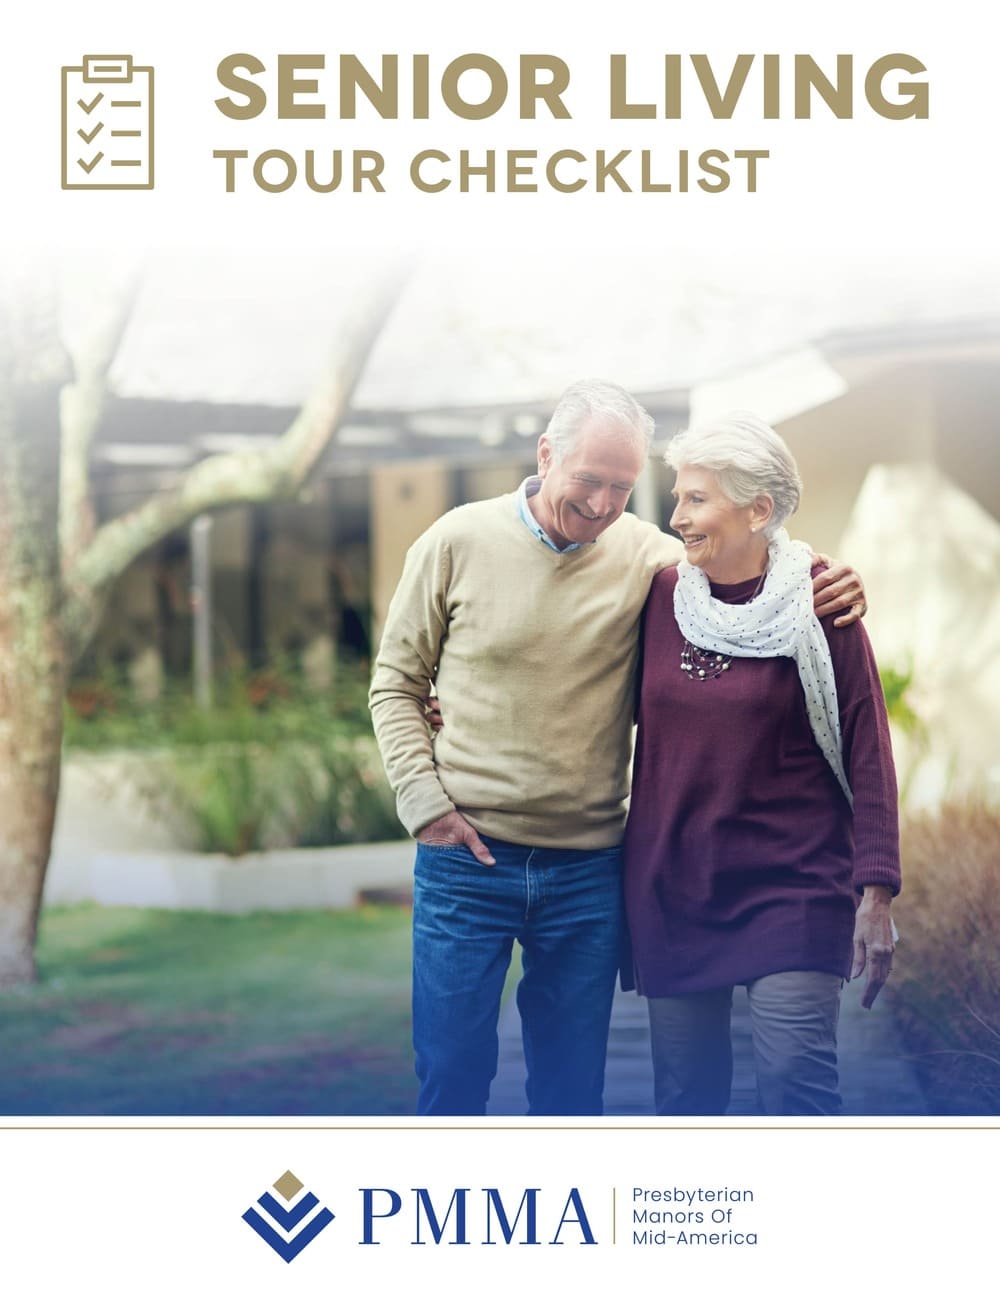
(491, 330)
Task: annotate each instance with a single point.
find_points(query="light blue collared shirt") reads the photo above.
(529, 486)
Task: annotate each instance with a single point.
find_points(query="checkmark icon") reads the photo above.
(89, 139)
(89, 166)
(89, 107)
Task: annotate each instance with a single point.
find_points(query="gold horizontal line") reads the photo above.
(126, 103)
(126, 132)
(128, 161)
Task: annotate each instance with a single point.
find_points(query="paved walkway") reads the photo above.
(875, 1076)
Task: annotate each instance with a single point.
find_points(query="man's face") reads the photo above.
(584, 492)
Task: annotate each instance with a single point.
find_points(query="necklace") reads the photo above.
(700, 665)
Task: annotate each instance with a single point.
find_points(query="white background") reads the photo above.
(887, 187)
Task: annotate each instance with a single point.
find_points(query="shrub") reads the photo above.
(226, 799)
(945, 988)
(340, 794)
(270, 764)
(263, 705)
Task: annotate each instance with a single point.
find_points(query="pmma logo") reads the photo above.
(474, 1217)
(383, 1215)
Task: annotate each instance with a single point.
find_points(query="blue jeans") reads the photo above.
(564, 907)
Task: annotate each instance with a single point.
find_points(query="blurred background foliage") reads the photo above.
(271, 764)
(945, 986)
(896, 685)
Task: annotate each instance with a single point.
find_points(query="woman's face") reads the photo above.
(726, 541)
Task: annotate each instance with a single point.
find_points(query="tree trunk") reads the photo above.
(32, 657)
(30, 757)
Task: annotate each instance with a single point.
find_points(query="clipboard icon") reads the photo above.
(107, 124)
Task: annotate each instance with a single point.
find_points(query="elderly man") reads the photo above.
(523, 612)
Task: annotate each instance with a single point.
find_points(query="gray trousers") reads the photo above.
(793, 1017)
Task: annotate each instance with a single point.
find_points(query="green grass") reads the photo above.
(141, 1012)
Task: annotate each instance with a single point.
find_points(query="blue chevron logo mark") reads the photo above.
(280, 1238)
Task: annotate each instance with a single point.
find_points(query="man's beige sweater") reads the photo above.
(532, 654)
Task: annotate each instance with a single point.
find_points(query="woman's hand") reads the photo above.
(432, 713)
(873, 941)
(838, 588)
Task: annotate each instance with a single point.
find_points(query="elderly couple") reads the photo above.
(761, 843)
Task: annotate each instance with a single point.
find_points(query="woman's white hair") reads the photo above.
(749, 458)
(584, 400)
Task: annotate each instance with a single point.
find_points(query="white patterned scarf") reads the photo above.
(778, 622)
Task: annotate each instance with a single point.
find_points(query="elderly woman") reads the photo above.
(762, 844)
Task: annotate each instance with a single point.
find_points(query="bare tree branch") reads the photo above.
(249, 476)
(81, 409)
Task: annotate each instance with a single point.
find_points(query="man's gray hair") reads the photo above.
(749, 458)
(593, 399)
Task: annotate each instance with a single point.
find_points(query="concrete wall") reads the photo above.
(113, 846)
(967, 429)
